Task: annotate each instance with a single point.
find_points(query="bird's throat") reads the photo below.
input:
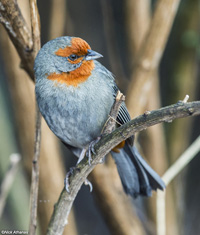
(75, 77)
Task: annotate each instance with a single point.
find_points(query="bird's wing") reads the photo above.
(123, 115)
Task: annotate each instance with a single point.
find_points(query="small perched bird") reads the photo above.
(75, 94)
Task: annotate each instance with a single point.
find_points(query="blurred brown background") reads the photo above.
(114, 29)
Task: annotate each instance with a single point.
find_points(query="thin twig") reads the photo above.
(111, 122)
(8, 180)
(35, 176)
(186, 98)
(160, 213)
(182, 161)
(169, 175)
(104, 146)
(35, 25)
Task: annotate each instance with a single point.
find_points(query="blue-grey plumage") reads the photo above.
(75, 94)
(70, 111)
(144, 178)
(76, 114)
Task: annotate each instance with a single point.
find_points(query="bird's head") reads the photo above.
(67, 60)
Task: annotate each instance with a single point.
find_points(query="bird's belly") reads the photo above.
(77, 128)
(76, 119)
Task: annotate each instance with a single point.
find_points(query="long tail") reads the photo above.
(137, 177)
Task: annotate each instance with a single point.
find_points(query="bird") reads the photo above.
(75, 94)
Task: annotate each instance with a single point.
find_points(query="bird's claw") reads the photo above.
(82, 155)
(87, 182)
(91, 149)
(66, 180)
(102, 161)
(88, 152)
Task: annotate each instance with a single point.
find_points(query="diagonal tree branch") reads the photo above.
(8, 180)
(105, 145)
(17, 28)
(168, 176)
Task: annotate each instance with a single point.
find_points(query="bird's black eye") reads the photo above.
(73, 57)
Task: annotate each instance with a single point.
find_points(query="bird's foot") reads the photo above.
(87, 182)
(88, 151)
(82, 155)
(66, 180)
(91, 149)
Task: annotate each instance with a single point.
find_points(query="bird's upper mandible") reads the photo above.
(67, 60)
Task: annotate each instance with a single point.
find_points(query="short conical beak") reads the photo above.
(92, 55)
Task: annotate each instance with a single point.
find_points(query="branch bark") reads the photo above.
(105, 145)
(35, 176)
(19, 33)
(35, 26)
(8, 179)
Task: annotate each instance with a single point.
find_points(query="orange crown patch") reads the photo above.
(78, 47)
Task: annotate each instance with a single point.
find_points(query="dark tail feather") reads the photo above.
(137, 177)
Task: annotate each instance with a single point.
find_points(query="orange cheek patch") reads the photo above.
(78, 47)
(75, 77)
(119, 146)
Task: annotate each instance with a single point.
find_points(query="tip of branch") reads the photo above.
(120, 96)
(185, 100)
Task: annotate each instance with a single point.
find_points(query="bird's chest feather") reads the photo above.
(75, 114)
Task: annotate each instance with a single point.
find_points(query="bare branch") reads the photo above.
(35, 25)
(160, 213)
(16, 26)
(169, 175)
(111, 122)
(182, 161)
(8, 180)
(35, 176)
(104, 146)
(186, 98)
